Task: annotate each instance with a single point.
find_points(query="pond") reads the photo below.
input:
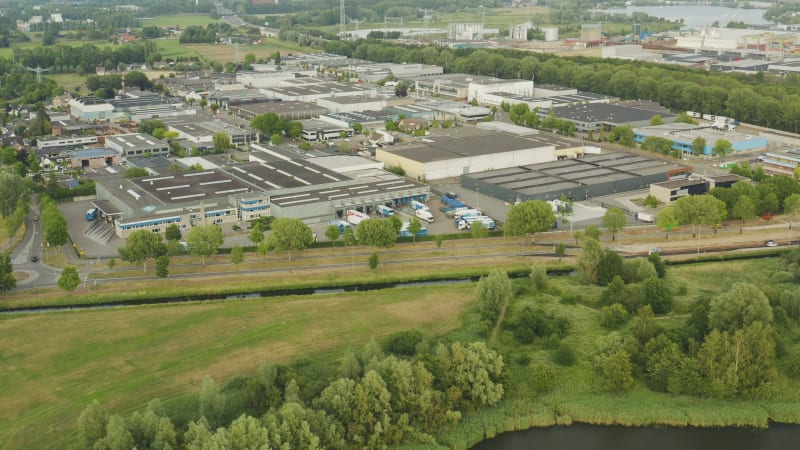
(596, 437)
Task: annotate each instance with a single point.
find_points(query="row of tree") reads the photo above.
(375, 402)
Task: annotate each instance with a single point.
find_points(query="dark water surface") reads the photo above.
(596, 437)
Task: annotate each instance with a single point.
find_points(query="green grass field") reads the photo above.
(179, 20)
(53, 365)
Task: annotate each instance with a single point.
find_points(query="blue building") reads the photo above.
(683, 134)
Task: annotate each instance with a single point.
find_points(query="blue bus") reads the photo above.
(91, 214)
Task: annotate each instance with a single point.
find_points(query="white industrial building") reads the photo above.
(459, 86)
(351, 104)
(90, 108)
(478, 88)
(472, 151)
(270, 79)
(465, 31)
(137, 144)
(310, 91)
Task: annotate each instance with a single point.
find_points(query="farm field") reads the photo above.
(223, 53)
(178, 20)
(126, 357)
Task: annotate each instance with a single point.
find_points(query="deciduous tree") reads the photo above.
(7, 280)
(290, 235)
(222, 142)
(237, 256)
(332, 233)
(698, 210)
(791, 207)
(204, 240)
(69, 279)
(376, 233)
(162, 266)
(140, 246)
(414, 227)
(13, 190)
(738, 307)
(493, 294)
(173, 233)
(531, 217)
(589, 259)
(614, 220)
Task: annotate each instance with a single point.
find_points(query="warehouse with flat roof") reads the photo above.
(437, 157)
(683, 135)
(605, 116)
(313, 190)
(290, 110)
(578, 179)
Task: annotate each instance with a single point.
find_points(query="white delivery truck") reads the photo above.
(645, 217)
(425, 215)
(355, 217)
(415, 205)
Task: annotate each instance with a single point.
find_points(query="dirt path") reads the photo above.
(496, 328)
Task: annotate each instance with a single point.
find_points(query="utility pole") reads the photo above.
(342, 19)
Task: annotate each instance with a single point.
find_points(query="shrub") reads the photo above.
(543, 378)
(373, 260)
(571, 299)
(531, 323)
(791, 363)
(658, 264)
(538, 277)
(523, 360)
(638, 269)
(614, 316)
(564, 355)
(403, 342)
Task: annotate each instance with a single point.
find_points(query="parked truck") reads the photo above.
(341, 224)
(355, 217)
(466, 222)
(645, 217)
(384, 210)
(425, 215)
(467, 213)
(415, 205)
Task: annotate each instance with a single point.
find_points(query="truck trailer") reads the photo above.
(645, 217)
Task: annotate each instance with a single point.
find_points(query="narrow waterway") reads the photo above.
(595, 437)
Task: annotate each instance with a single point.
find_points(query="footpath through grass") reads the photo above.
(53, 365)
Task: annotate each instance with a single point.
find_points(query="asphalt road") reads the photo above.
(37, 273)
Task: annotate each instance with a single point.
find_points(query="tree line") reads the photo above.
(377, 396)
(761, 99)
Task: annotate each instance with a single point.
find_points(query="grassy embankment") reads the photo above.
(320, 267)
(53, 365)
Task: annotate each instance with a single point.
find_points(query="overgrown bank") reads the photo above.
(639, 344)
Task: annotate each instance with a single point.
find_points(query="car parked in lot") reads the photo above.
(770, 243)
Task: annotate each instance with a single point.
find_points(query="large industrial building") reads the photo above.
(137, 144)
(313, 190)
(683, 134)
(605, 116)
(578, 179)
(474, 151)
